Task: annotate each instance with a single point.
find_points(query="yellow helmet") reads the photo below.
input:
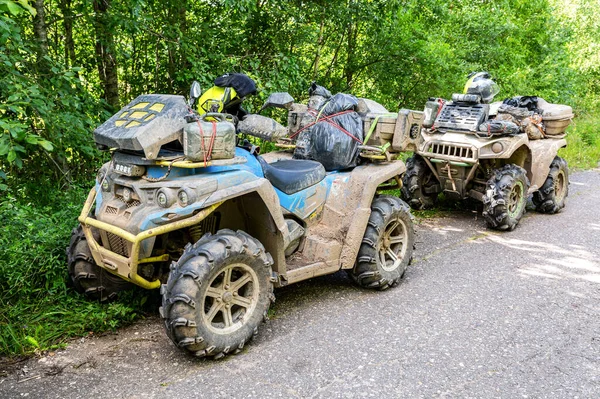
(480, 83)
(216, 99)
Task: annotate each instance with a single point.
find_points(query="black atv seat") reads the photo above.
(292, 175)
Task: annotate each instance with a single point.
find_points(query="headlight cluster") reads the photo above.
(165, 197)
(129, 170)
(127, 194)
(103, 180)
(493, 149)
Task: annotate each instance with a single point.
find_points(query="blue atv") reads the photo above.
(188, 207)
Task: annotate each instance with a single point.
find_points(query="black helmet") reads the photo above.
(480, 83)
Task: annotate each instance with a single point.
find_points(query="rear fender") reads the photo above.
(349, 205)
(543, 153)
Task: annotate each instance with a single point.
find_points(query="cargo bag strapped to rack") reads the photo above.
(335, 136)
(537, 117)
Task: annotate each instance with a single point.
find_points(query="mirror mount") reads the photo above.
(195, 92)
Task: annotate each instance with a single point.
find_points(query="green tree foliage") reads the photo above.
(46, 113)
(396, 51)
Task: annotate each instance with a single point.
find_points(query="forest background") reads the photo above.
(67, 65)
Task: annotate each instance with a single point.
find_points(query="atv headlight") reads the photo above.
(161, 198)
(130, 170)
(127, 194)
(164, 198)
(102, 180)
(185, 197)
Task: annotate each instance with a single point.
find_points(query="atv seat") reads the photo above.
(292, 175)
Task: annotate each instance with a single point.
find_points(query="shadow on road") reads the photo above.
(553, 261)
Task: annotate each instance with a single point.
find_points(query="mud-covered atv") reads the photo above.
(497, 153)
(188, 207)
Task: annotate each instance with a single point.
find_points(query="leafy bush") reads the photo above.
(583, 143)
(38, 309)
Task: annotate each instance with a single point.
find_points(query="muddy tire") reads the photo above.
(217, 294)
(551, 197)
(417, 178)
(387, 246)
(88, 278)
(506, 197)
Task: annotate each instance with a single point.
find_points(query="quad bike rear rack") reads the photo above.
(127, 267)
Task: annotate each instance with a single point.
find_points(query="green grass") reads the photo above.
(38, 308)
(583, 138)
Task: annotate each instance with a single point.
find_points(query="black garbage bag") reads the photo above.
(316, 90)
(334, 138)
(528, 102)
(317, 96)
(242, 84)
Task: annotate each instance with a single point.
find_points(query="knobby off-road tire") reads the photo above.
(418, 176)
(218, 293)
(88, 278)
(387, 246)
(506, 197)
(551, 197)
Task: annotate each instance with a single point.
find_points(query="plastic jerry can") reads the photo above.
(211, 137)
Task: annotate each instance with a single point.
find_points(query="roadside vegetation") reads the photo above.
(583, 149)
(66, 66)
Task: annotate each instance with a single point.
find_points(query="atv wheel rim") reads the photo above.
(393, 245)
(515, 201)
(559, 186)
(230, 299)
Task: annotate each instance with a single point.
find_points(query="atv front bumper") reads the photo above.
(127, 267)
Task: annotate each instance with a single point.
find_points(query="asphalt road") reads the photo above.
(481, 314)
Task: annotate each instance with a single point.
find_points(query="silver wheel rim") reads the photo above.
(559, 186)
(393, 245)
(230, 299)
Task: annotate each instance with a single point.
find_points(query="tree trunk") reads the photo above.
(65, 8)
(184, 64)
(319, 46)
(105, 53)
(349, 67)
(41, 33)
